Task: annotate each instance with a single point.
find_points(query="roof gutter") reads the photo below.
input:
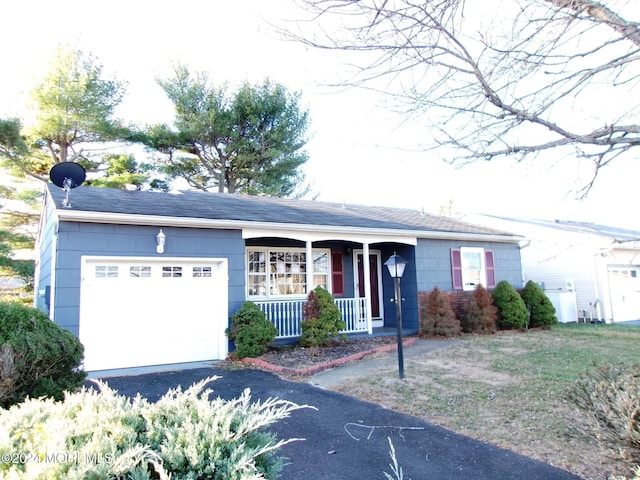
(158, 220)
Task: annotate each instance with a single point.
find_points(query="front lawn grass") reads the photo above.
(508, 389)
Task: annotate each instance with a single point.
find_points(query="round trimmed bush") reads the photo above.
(512, 311)
(251, 331)
(322, 319)
(541, 310)
(37, 357)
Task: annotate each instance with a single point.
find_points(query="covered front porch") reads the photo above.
(282, 270)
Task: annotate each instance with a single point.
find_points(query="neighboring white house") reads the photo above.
(590, 272)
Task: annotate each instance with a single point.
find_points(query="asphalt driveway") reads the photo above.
(347, 438)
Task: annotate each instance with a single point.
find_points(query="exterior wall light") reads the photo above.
(396, 265)
(161, 238)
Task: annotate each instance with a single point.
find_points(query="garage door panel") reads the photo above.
(624, 284)
(152, 311)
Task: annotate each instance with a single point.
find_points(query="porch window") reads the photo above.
(321, 270)
(471, 266)
(273, 272)
(287, 273)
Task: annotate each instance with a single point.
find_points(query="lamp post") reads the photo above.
(396, 265)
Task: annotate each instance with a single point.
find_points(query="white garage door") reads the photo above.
(152, 311)
(624, 286)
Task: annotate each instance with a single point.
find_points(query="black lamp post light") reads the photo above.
(396, 265)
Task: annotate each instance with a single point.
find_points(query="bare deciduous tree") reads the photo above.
(514, 77)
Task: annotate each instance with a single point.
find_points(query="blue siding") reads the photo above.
(78, 239)
(433, 262)
(429, 263)
(408, 289)
(44, 260)
(429, 266)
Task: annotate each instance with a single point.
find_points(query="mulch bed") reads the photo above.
(305, 361)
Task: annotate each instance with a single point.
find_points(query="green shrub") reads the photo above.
(436, 315)
(105, 435)
(610, 397)
(512, 312)
(37, 357)
(251, 331)
(322, 319)
(480, 314)
(542, 313)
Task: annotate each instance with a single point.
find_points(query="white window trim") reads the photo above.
(466, 284)
(267, 251)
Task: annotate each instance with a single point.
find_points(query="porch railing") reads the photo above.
(354, 314)
(286, 315)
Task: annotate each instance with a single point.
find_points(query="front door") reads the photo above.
(376, 295)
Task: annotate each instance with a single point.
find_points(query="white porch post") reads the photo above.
(367, 286)
(309, 266)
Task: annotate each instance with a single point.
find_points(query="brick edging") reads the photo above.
(304, 372)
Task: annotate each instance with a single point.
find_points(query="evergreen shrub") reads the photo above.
(251, 331)
(480, 314)
(542, 313)
(512, 311)
(322, 319)
(436, 315)
(105, 435)
(37, 357)
(610, 397)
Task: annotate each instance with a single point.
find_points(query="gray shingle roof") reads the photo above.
(616, 234)
(243, 208)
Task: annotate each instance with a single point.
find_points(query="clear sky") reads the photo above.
(358, 153)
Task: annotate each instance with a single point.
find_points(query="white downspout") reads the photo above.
(596, 287)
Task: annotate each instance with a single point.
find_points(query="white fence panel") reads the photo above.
(354, 314)
(286, 315)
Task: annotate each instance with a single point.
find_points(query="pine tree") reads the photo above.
(480, 314)
(437, 317)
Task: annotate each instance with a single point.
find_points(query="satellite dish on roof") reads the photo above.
(67, 175)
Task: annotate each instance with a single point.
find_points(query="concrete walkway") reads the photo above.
(371, 363)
